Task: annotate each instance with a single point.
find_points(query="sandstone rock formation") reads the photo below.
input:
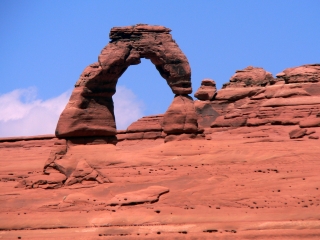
(297, 133)
(250, 77)
(263, 102)
(207, 90)
(89, 118)
(90, 111)
(180, 116)
(252, 98)
(149, 127)
(302, 74)
(179, 119)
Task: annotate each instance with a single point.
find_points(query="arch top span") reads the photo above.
(127, 46)
(129, 32)
(90, 109)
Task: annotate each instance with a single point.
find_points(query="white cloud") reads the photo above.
(127, 107)
(23, 114)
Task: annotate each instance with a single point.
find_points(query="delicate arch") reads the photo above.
(90, 108)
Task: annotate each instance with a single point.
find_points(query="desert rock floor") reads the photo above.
(233, 185)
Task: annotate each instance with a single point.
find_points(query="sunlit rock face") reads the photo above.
(207, 90)
(90, 111)
(254, 98)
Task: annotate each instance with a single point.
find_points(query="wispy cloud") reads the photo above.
(22, 113)
(127, 107)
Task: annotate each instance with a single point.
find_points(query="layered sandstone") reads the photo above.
(301, 74)
(207, 90)
(250, 77)
(194, 189)
(149, 127)
(284, 101)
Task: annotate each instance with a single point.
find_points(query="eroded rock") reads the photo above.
(297, 133)
(47, 181)
(253, 98)
(147, 124)
(301, 74)
(310, 122)
(181, 116)
(250, 77)
(148, 195)
(84, 173)
(207, 90)
(90, 111)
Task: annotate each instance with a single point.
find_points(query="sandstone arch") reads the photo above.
(90, 110)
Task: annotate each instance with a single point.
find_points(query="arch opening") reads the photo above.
(90, 111)
(144, 81)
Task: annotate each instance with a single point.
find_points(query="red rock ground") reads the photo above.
(243, 183)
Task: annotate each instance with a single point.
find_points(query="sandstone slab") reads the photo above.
(297, 133)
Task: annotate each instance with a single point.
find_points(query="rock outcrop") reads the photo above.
(180, 116)
(302, 74)
(61, 169)
(297, 133)
(88, 118)
(179, 119)
(250, 77)
(149, 127)
(254, 98)
(90, 111)
(207, 90)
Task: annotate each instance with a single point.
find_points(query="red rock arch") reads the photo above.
(90, 110)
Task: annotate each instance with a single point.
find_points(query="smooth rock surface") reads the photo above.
(181, 116)
(277, 104)
(147, 124)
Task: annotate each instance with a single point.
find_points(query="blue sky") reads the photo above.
(46, 44)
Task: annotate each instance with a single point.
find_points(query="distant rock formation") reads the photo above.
(250, 77)
(303, 74)
(253, 98)
(207, 90)
(90, 111)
